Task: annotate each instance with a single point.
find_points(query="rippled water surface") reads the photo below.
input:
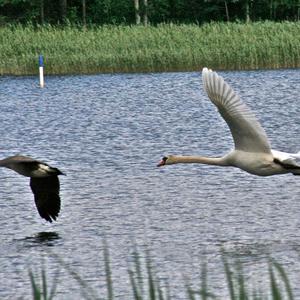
(107, 132)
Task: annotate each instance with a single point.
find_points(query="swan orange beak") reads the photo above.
(161, 163)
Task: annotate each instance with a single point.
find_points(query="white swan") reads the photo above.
(44, 183)
(252, 152)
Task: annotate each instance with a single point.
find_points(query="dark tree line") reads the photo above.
(145, 11)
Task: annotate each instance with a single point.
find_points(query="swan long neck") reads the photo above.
(182, 159)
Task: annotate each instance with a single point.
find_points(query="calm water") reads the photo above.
(107, 132)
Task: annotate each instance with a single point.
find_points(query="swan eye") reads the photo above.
(164, 158)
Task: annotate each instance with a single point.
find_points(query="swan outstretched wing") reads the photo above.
(247, 133)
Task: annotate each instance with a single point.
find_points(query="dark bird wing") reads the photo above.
(46, 196)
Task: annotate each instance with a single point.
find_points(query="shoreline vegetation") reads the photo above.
(162, 48)
(145, 283)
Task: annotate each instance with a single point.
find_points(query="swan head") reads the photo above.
(166, 160)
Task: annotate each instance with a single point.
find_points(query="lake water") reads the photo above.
(107, 133)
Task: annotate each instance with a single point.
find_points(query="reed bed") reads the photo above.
(146, 284)
(166, 47)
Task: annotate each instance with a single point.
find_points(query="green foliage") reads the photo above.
(274, 283)
(40, 291)
(146, 284)
(166, 47)
(122, 11)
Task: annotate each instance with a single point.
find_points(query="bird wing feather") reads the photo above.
(247, 133)
(289, 159)
(46, 196)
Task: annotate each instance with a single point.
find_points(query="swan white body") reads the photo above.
(252, 152)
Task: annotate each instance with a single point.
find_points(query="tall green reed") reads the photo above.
(40, 291)
(166, 47)
(146, 284)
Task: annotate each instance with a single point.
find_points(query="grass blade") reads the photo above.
(151, 284)
(108, 273)
(53, 288)
(87, 292)
(241, 283)
(138, 271)
(285, 279)
(190, 292)
(135, 290)
(35, 289)
(160, 291)
(204, 281)
(276, 295)
(44, 284)
(229, 277)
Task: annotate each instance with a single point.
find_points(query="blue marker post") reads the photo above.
(41, 70)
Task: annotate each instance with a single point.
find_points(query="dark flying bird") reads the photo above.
(44, 183)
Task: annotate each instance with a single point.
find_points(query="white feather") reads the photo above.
(252, 151)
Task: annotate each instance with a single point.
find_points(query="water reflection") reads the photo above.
(44, 238)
